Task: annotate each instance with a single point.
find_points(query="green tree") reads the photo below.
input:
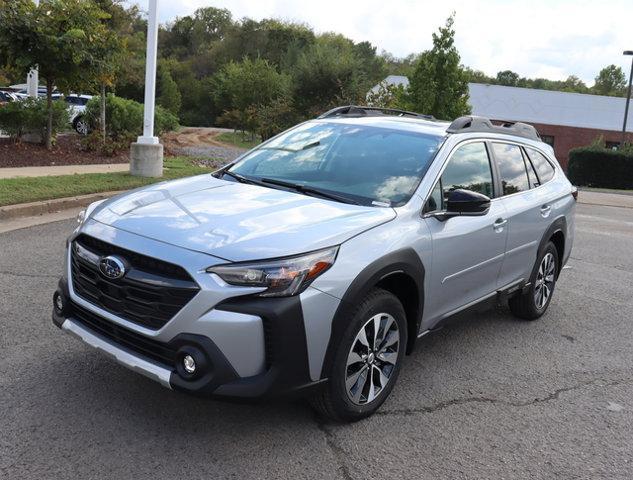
(192, 34)
(168, 95)
(439, 84)
(107, 56)
(58, 36)
(610, 81)
(573, 84)
(477, 76)
(387, 96)
(328, 73)
(507, 78)
(239, 88)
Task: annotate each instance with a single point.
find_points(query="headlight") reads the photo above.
(85, 214)
(282, 277)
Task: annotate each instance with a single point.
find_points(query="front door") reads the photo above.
(467, 251)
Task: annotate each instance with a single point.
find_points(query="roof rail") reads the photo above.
(469, 124)
(363, 111)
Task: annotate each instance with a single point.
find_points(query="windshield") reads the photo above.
(370, 165)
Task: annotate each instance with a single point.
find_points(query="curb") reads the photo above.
(44, 207)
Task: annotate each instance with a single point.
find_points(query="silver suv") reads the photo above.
(313, 263)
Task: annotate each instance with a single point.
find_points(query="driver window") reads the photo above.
(468, 169)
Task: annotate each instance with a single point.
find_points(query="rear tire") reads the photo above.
(81, 126)
(367, 360)
(533, 303)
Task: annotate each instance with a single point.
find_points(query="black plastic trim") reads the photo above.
(558, 225)
(404, 261)
(475, 124)
(287, 373)
(286, 347)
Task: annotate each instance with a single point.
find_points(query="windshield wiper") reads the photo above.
(241, 178)
(311, 190)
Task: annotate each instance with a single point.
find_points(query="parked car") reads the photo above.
(313, 263)
(77, 105)
(6, 97)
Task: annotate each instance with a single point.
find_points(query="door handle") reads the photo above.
(545, 210)
(499, 224)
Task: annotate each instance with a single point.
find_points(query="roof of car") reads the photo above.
(411, 121)
(410, 124)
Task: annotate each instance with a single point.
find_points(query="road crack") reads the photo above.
(496, 401)
(337, 451)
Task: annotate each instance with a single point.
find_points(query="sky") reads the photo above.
(540, 38)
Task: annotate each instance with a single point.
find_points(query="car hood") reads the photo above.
(236, 221)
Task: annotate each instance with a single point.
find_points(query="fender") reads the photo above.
(404, 261)
(558, 225)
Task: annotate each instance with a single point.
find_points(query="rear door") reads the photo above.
(528, 208)
(467, 251)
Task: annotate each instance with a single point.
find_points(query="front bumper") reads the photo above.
(285, 373)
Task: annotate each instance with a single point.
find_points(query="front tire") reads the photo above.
(367, 360)
(533, 303)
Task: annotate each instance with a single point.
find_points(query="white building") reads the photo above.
(565, 120)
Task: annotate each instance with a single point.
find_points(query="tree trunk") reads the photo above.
(102, 121)
(49, 111)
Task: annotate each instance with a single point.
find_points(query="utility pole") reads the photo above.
(628, 100)
(146, 155)
(32, 79)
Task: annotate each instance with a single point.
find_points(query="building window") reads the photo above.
(549, 139)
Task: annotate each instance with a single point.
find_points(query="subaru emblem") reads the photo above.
(112, 267)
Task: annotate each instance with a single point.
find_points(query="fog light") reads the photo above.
(189, 364)
(59, 303)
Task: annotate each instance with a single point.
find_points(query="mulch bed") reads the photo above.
(67, 151)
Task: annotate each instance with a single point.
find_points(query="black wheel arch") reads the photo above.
(400, 272)
(556, 234)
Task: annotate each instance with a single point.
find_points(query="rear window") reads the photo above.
(511, 168)
(543, 167)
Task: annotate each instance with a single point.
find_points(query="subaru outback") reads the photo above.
(312, 264)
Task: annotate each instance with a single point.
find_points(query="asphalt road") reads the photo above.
(488, 397)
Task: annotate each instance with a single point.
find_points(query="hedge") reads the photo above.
(124, 118)
(601, 167)
(30, 116)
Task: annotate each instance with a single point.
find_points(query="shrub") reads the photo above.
(600, 167)
(124, 118)
(29, 116)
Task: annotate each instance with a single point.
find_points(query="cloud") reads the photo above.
(548, 38)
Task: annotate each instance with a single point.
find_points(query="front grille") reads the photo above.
(150, 294)
(147, 347)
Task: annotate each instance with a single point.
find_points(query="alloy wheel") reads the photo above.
(372, 359)
(544, 283)
(82, 127)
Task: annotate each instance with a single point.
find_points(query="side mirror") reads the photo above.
(464, 203)
(467, 202)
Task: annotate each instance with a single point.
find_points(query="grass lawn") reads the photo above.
(238, 140)
(31, 189)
